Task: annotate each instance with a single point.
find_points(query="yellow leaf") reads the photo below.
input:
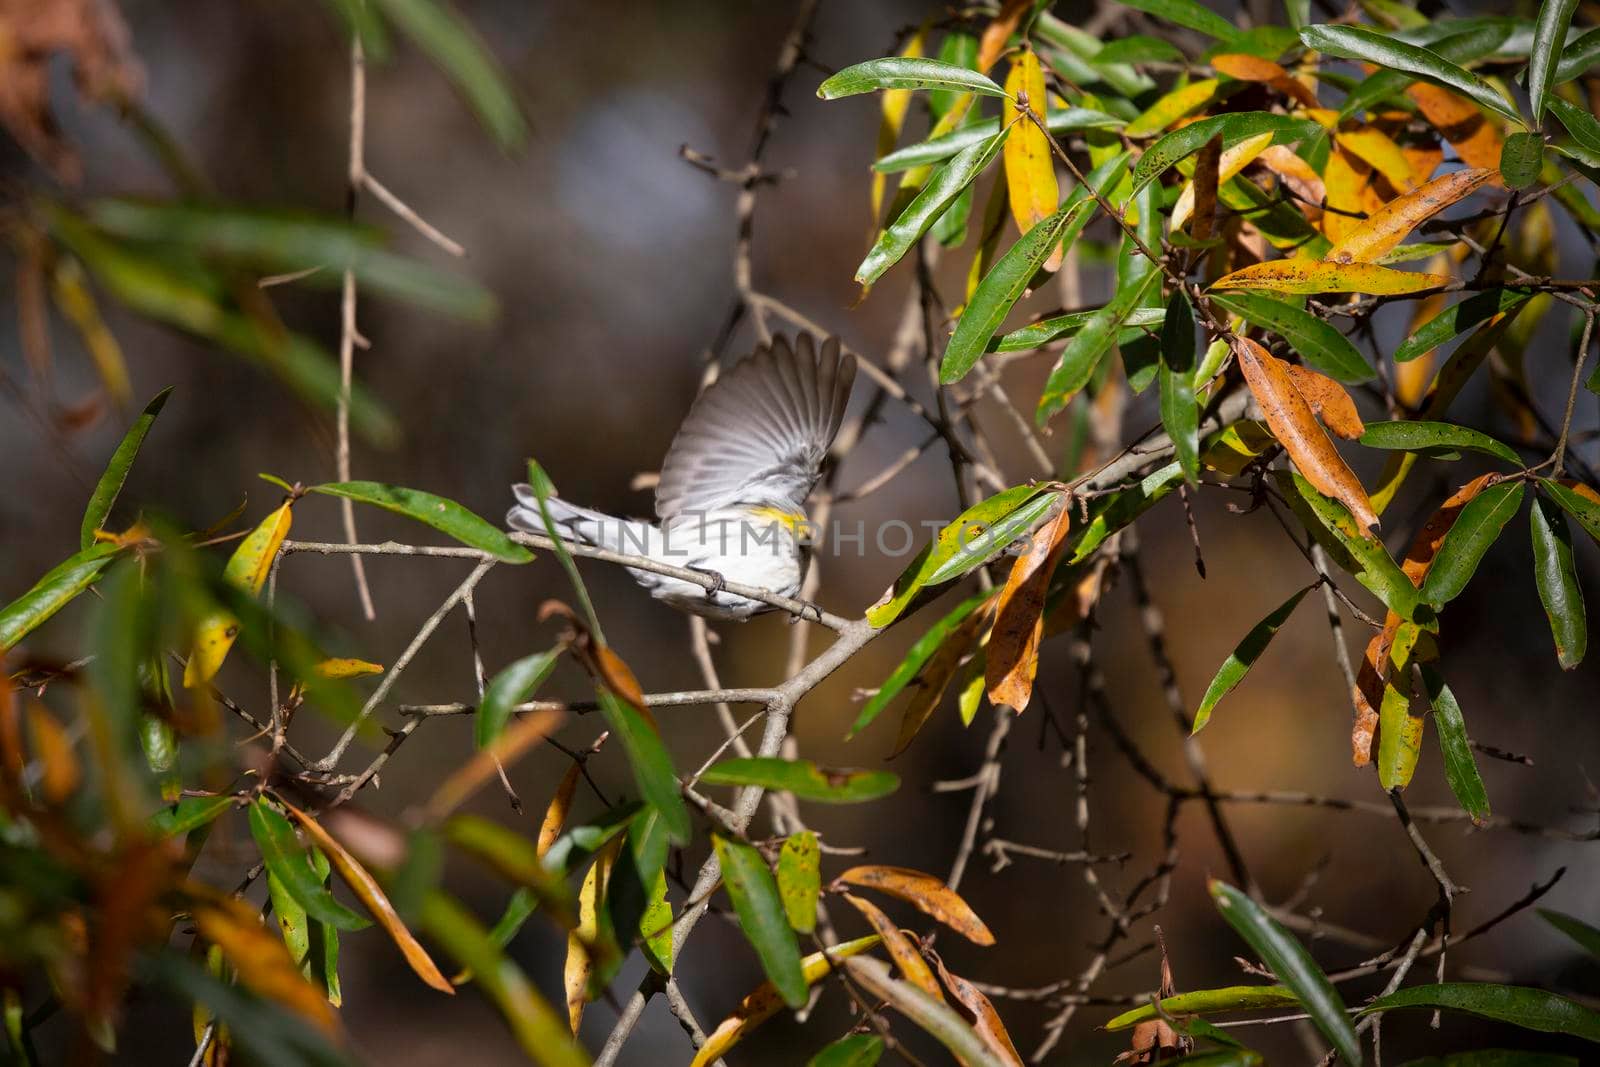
(372, 896)
(579, 967)
(347, 668)
(1345, 179)
(555, 816)
(1030, 172)
(1292, 422)
(74, 300)
(1390, 224)
(1170, 108)
(1232, 161)
(247, 570)
(907, 957)
(998, 33)
(1313, 276)
(263, 963)
(763, 1003)
(1013, 655)
(1377, 149)
(927, 893)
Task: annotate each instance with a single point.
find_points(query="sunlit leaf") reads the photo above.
(1230, 163)
(1458, 319)
(1032, 189)
(1203, 1001)
(1313, 276)
(1075, 366)
(1557, 579)
(1531, 1009)
(1057, 121)
(287, 860)
(1388, 52)
(261, 961)
(927, 893)
(1012, 659)
(900, 72)
(1238, 126)
(985, 1020)
(1362, 555)
(247, 572)
(1187, 13)
(902, 950)
(53, 592)
(931, 1015)
(1318, 342)
(1440, 440)
(1243, 657)
(511, 686)
(1183, 100)
(443, 515)
(1474, 531)
(1549, 38)
(189, 813)
(803, 778)
(1038, 334)
(1390, 224)
(1293, 965)
(116, 472)
(800, 879)
(750, 885)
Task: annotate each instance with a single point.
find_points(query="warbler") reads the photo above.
(731, 498)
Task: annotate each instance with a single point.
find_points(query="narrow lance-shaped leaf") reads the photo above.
(1180, 414)
(1239, 662)
(1390, 224)
(910, 672)
(1183, 100)
(1475, 530)
(1038, 334)
(755, 900)
(1075, 366)
(800, 879)
(929, 894)
(1549, 38)
(1460, 768)
(1457, 319)
(1058, 121)
(934, 1016)
(1581, 932)
(1293, 965)
(1440, 440)
(907, 957)
(1187, 13)
(1581, 124)
(53, 592)
(247, 571)
(1203, 1001)
(900, 72)
(286, 859)
(116, 472)
(1320, 344)
(1032, 189)
(510, 687)
(985, 1020)
(1531, 1009)
(853, 1050)
(443, 515)
(1187, 140)
(1388, 52)
(1577, 500)
(1013, 653)
(927, 690)
(1557, 579)
(946, 184)
(803, 778)
(1521, 158)
(1310, 277)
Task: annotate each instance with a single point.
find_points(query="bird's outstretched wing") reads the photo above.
(759, 434)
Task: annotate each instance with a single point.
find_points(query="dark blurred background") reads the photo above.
(612, 261)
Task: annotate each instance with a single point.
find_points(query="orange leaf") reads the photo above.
(998, 33)
(1293, 423)
(985, 1020)
(262, 962)
(54, 749)
(1390, 225)
(1030, 172)
(372, 896)
(927, 688)
(927, 893)
(486, 762)
(901, 948)
(555, 816)
(1255, 69)
(1313, 276)
(1297, 174)
(1378, 150)
(1476, 140)
(1345, 178)
(1013, 656)
(1329, 400)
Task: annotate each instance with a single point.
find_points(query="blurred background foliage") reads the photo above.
(163, 159)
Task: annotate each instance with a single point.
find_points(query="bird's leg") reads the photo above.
(718, 582)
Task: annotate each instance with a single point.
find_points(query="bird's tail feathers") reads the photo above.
(580, 524)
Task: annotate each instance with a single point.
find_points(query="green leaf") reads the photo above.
(513, 685)
(1557, 579)
(1521, 157)
(1469, 537)
(1293, 965)
(116, 473)
(1180, 414)
(1235, 127)
(918, 656)
(1038, 334)
(901, 72)
(1462, 47)
(283, 242)
(1321, 344)
(1457, 319)
(1204, 1001)
(1388, 52)
(761, 916)
(803, 778)
(542, 1033)
(1581, 53)
(1585, 935)
(655, 926)
(364, 23)
(1076, 364)
(1440, 440)
(189, 813)
(1580, 507)
(1139, 48)
(650, 761)
(1531, 1009)
(1239, 662)
(569, 851)
(1460, 768)
(856, 1050)
(457, 51)
(443, 515)
(53, 592)
(287, 861)
(1009, 278)
(543, 490)
(1364, 558)
(1119, 509)
(1064, 120)
(978, 533)
(1583, 126)
(800, 879)
(943, 187)
(1549, 38)
(1187, 13)
(1229, 1057)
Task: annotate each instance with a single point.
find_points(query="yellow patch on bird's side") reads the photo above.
(793, 521)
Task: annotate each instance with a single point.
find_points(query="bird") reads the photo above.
(731, 499)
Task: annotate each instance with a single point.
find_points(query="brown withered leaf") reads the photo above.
(907, 957)
(1013, 654)
(32, 32)
(1293, 423)
(1206, 167)
(372, 896)
(1329, 400)
(985, 1020)
(1390, 224)
(923, 693)
(927, 893)
(555, 816)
